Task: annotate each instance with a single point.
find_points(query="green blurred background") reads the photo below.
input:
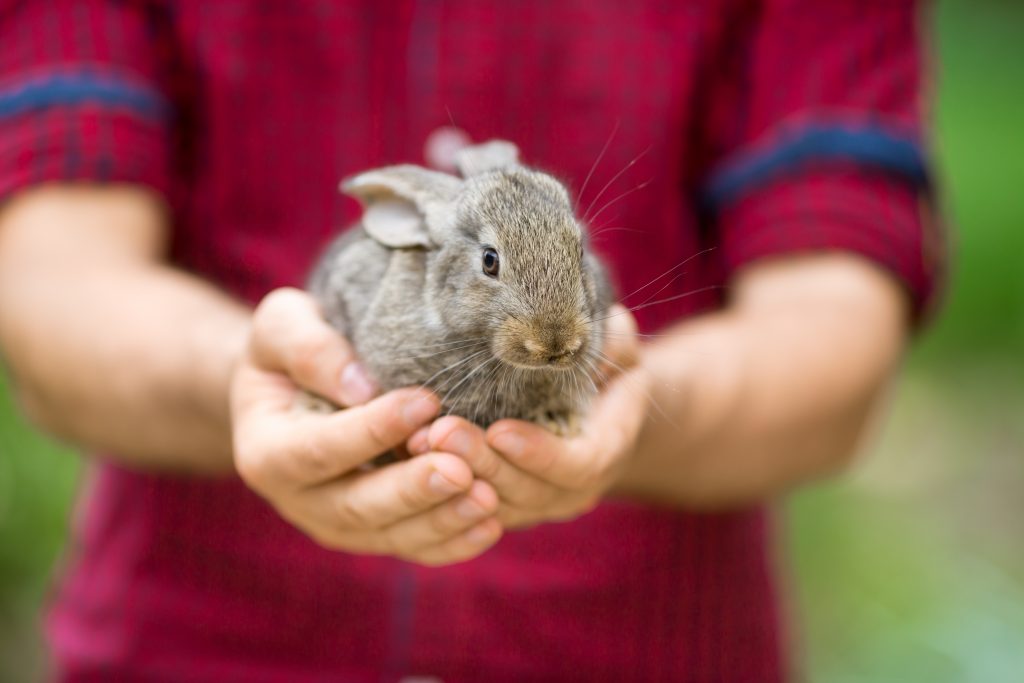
(911, 568)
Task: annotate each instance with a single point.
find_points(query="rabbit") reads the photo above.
(482, 288)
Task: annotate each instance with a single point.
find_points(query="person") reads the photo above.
(753, 172)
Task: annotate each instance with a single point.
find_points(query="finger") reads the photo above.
(289, 335)
(460, 437)
(536, 450)
(585, 461)
(463, 547)
(256, 391)
(309, 449)
(418, 443)
(372, 501)
(444, 521)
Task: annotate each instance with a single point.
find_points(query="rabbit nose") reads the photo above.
(571, 346)
(556, 350)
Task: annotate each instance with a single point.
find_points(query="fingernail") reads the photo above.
(418, 444)
(510, 444)
(418, 410)
(478, 535)
(469, 509)
(441, 486)
(356, 384)
(457, 443)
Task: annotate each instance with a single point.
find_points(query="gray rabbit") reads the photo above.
(482, 288)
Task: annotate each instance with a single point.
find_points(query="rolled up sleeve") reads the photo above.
(816, 140)
(85, 95)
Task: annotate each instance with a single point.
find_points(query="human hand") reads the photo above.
(429, 509)
(538, 476)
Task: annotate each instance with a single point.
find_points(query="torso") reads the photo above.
(201, 580)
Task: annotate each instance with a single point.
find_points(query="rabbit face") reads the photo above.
(516, 272)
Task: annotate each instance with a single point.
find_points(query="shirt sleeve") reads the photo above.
(814, 138)
(85, 94)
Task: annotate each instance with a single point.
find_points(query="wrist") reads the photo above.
(218, 348)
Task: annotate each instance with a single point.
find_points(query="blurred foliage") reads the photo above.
(37, 484)
(910, 569)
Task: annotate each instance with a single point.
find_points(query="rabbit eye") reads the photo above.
(490, 262)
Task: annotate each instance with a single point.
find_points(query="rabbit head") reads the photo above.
(507, 258)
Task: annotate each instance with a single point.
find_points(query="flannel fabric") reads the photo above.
(732, 130)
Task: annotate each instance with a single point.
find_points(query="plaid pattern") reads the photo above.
(750, 127)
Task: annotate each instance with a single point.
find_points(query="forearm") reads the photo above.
(109, 348)
(770, 392)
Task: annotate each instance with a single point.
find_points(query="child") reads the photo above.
(168, 165)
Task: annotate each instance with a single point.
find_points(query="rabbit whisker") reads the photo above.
(630, 382)
(451, 392)
(665, 300)
(489, 381)
(617, 228)
(662, 288)
(590, 219)
(624, 194)
(647, 304)
(486, 381)
(673, 268)
(629, 335)
(448, 368)
(576, 379)
(447, 343)
(442, 351)
(592, 370)
(593, 167)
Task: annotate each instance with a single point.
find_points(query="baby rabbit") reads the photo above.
(481, 288)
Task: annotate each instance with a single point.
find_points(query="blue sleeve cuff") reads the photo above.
(869, 146)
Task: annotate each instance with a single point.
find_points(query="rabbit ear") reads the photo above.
(406, 206)
(487, 156)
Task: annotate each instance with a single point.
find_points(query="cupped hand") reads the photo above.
(430, 509)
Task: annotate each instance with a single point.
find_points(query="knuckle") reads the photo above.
(489, 467)
(273, 307)
(351, 514)
(544, 461)
(281, 299)
(382, 429)
(309, 355)
(316, 459)
(442, 522)
(411, 495)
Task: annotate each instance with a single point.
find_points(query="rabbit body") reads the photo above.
(412, 288)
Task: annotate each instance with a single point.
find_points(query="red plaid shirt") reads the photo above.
(754, 127)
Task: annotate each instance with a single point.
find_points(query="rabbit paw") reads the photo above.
(563, 424)
(306, 402)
